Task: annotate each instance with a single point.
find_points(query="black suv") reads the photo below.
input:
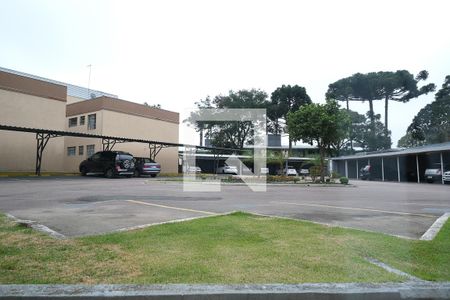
(109, 163)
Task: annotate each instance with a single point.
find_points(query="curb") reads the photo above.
(329, 291)
(434, 229)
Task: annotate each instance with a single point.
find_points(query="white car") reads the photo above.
(446, 177)
(304, 172)
(227, 170)
(264, 171)
(290, 172)
(192, 169)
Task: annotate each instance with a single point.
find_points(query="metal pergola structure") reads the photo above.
(108, 142)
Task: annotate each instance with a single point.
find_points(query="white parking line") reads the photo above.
(357, 208)
(172, 207)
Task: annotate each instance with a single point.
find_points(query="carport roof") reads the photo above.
(415, 150)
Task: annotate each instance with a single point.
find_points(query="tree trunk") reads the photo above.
(290, 147)
(201, 136)
(386, 106)
(322, 164)
(347, 105)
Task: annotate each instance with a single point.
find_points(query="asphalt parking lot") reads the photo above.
(78, 206)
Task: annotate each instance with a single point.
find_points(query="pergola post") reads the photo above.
(442, 168)
(398, 168)
(417, 167)
(41, 141)
(382, 169)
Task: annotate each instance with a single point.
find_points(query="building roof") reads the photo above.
(25, 85)
(122, 106)
(72, 90)
(398, 152)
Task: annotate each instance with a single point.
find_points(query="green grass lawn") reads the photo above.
(236, 248)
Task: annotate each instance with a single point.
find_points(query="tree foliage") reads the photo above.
(432, 124)
(399, 86)
(229, 134)
(284, 100)
(322, 124)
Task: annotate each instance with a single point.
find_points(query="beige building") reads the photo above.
(114, 117)
(28, 102)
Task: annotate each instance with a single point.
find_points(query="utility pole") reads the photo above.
(89, 81)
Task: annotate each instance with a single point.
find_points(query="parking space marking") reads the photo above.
(358, 208)
(172, 207)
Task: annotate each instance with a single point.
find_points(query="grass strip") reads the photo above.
(236, 248)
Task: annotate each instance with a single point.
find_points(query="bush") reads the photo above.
(335, 175)
(343, 180)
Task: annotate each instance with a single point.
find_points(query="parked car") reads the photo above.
(146, 166)
(264, 171)
(108, 163)
(364, 173)
(304, 172)
(227, 170)
(290, 171)
(434, 173)
(192, 169)
(446, 177)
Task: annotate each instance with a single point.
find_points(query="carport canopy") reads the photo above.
(108, 142)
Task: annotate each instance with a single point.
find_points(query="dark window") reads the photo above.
(71, 151)
(80, 150)
(90, 149)
(73, 122)
(96, 156)
(92, 122)
(82, 120)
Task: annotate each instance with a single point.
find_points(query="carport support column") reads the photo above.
(442, 169)
(346, 168)
(417, 167)
(382, 169)
(357, 169)
(398, 168)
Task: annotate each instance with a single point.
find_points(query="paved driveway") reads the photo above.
(76, 206)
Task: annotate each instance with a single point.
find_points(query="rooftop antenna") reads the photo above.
(89, 80)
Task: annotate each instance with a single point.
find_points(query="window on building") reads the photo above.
(92, 122)
(82, 120)
(90, 150)
(73, 122)
(71, 151)
(80, 150)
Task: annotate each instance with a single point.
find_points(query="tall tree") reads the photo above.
(286, 99)
(321, 124)
(230, 134)
(397, 86)
(401, 86)
(432, 123)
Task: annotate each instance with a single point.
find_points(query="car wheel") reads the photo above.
(109, 173)
(153, 175)
(137, 173)
(83, 171)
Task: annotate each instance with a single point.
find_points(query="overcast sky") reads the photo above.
(177, 52)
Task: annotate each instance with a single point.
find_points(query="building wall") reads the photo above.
(18, 149)
(120, 124)
(111, 123)
(72, 99)
(71, 163)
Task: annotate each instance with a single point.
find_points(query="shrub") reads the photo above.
(335, 175)
(343, 180)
